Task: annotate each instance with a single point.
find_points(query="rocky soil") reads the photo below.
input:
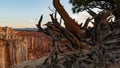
(30, 64)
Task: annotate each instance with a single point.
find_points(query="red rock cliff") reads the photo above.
(19, 46)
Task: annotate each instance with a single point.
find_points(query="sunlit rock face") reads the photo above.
(2, 53)
(37, 44)
(19, 46)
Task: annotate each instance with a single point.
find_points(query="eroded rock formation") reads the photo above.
(19, 46)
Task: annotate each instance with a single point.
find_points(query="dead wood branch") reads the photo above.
(75, 46)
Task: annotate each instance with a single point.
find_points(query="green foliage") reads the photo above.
(81, 5)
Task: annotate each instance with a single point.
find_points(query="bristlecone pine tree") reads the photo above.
(77, 46)
(81, 5)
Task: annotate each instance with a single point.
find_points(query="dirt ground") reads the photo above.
(30, 64)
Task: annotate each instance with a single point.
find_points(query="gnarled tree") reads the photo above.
(74, 46)
(81, 5)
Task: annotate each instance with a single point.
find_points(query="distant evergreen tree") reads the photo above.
(81, 5)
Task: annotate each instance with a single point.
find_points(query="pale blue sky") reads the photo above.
(26, 13)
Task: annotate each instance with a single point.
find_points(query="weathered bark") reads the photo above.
(95, 47)
(39, 23)
(70, 24)
(86, 23)
(93, 14)
(116, 13)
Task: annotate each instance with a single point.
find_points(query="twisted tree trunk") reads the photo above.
(70, 24)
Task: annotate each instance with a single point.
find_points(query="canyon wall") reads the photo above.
(20, 46)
